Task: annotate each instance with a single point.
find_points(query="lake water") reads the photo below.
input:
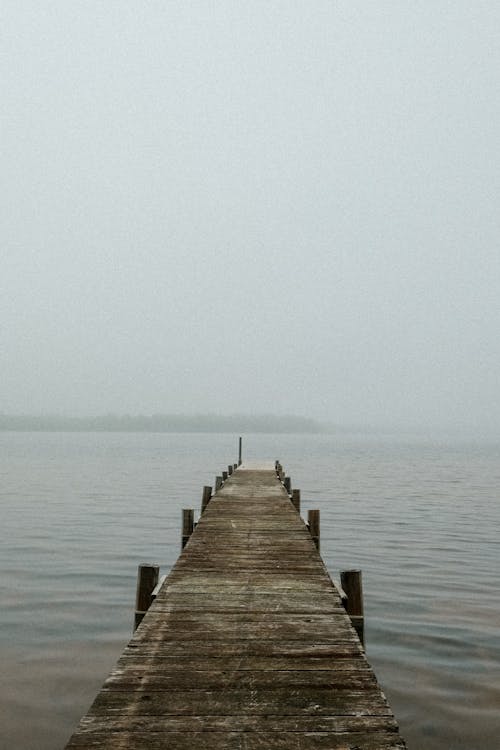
(79, 511)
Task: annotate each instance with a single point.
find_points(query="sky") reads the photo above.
(266, 207)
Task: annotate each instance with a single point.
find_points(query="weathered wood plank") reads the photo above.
(261, 701)
(161, 678)
(340, 724)
(188, 740)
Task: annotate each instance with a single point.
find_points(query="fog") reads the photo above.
(267, 207)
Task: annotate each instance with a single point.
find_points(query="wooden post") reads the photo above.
(224, 476)
(287, 481)
(147, 578)
(205, 497)
(187, 525)
(230, 470)
(218, 483)
(296, 500)
(313, 524)
(240, 443)
(235, 466)
(351, 582)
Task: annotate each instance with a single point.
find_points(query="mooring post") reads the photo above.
(235, 466)
(224, 476)
(205, 497)
(230, 470)
(351, 582)
(313, 524)
(187, 525)
(287, 482)
(147, 579)
(240, 445)
(218, 483)
(296, 499)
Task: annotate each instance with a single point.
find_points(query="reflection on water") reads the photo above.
(80, 511)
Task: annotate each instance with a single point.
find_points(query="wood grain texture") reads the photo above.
(246, 646)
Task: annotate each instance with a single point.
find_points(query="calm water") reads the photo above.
(80, 511)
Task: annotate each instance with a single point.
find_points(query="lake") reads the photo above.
(420, 517)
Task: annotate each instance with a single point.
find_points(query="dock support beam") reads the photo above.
(296, 500)
(240, 442)
(187, 525)
(313, 525)
(351, 582)
(218, 483)
(147, 579)
(287, 483)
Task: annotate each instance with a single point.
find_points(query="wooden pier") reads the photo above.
(247, 645)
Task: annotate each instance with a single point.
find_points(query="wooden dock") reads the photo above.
(247, 645)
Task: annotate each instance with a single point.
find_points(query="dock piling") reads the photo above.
(240, 445)
(205, 497)
(218, 483)
(147, 579)
(351, 582)
(187, 525)
(313, 524)
(287, 482)
(296, 500)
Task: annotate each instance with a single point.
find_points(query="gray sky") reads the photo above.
(251, 207)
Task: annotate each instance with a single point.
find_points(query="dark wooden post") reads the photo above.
(147, 578)
(313, 524)
(235, 466)
(224, 476)
(218, 483)
(351, 582)
(205, 497)
(287, 481)
(187, 525)
(296, 499)
(240, 445)
(230, 470)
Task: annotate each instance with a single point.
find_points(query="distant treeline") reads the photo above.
(160, 423)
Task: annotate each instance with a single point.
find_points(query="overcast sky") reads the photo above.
(287, 207)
